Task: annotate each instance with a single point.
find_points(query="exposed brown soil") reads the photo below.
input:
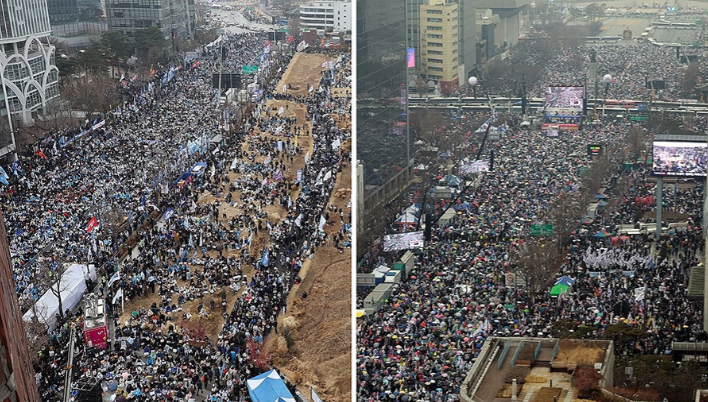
(321, 353)
(305, 69)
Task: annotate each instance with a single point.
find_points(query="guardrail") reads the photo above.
(538, 351)
(555, 350)
(516, 354)
(503, 355)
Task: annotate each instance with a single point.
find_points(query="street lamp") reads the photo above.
(473, 83)
(606, 79)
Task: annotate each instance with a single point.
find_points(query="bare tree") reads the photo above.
(56, 116)
(95, 93)
(37, 337)
(424, 122)
(51, 273)
(536, 262)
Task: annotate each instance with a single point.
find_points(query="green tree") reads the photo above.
(116, 43)
(623, 336)
(93, 58)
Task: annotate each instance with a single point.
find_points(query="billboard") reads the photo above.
(403, 241)
(411, 57)
(673, 158)
(563, 101)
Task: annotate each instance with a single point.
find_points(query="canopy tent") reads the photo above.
(407, 219)
(452, 181)
(413, 209)
(565, 280)
(601, 196)
(562, 285)
(602, 203)
(268, 387)
(72, 286)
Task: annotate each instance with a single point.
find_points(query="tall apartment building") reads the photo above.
(175, 18)
(466, 39)
(334, 15)
(439, 44)
(28, 72)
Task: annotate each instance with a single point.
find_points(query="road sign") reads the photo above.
(249, 69)
(638, 118)
(541, 230)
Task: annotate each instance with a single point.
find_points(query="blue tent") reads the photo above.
(268, 387)
(565, 280)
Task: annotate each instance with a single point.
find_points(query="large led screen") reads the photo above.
(564, 101)
(679, 158)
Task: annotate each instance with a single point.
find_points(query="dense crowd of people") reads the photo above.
(137, 174)
(419, 345)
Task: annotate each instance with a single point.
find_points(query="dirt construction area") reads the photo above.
(320, 355)
(318, 312)
(305, 69)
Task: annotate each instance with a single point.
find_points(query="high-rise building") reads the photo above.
(383, 142)
(439, 47)
(61, 11)
(465, 39)
(27, 70)
(332, 15)
(17, 382)
(175, 18)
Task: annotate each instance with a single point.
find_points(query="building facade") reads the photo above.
(17, 383)
(383, 137)
(61, 11)
(27, 66)
(465, 39)
(175, 18)
(327, 16)
(439, 44)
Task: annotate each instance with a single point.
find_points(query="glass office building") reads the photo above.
(27, 66)
(61, 11)
(383, 143)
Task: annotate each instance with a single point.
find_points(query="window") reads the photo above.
(435, 61)
(434, 28)
(434, 19)
(434, 36)
(434, 11)
(435, 69)
(435, 52)
(435, 44)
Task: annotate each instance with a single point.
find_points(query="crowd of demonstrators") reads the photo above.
(420, 344)
(632, 68)
(192, 252)
(116, 168)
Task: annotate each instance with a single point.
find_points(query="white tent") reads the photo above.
(71, 288)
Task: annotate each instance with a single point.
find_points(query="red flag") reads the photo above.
(40, 154)
(91, 225)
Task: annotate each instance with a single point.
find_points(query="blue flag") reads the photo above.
(4, 181)
(265, 259)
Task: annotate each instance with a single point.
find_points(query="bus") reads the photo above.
(95, 324)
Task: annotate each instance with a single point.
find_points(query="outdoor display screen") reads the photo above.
(679, 158)
(403, 241)
(564, 101)
(411, 57)
(594, 149)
